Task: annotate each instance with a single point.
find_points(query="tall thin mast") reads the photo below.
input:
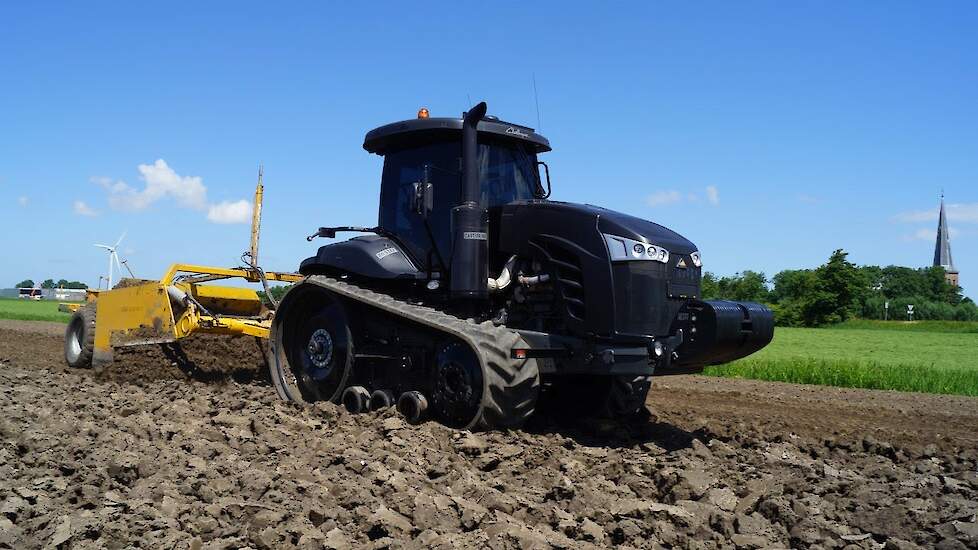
(256, 217)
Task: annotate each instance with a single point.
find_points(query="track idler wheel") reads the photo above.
(312, 346)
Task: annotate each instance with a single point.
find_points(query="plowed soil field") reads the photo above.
(152, 452)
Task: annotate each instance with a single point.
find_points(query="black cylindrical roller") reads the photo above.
(356, 399)
(381, 399)
(412, 406)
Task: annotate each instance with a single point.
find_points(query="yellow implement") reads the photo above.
(179, 305)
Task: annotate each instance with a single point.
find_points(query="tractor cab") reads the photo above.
(422, 177)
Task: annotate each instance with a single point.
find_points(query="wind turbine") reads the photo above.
(113, 257)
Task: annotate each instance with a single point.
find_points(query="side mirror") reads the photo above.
(543, 194)
(423, 198)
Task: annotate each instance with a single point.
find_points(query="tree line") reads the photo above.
(51, 283)
(839, 290)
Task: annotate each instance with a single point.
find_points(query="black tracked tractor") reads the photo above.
(475, 295)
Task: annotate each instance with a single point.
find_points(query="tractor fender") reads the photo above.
(371, 256)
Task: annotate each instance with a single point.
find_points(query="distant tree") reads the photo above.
(709, 287)
(76, 285)
(840, 283)
(792, 284)
(26, 283)
(749, 286)
(48, 283)
(62, 283)
(828, 294)
(277, 292)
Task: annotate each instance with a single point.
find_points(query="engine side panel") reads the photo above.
(625, 300)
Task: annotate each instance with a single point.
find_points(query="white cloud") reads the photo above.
(83, 209)
(660, 198)
(230, 212)
(23, 201)
(808, 199)
(161, 182)
(712, 195)
(961, 212)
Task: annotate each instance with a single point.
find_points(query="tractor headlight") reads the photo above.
(697, 260)
(624, 249)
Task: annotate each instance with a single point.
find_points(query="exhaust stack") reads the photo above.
(470, 269)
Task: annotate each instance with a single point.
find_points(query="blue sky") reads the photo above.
(770, 134)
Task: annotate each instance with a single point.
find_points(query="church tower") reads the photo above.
(942, 249)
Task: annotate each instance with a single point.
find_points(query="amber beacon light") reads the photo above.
(423, 112)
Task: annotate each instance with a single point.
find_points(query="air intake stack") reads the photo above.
(470, 267)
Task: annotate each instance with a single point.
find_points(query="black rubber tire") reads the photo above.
(511, 389)
(80, 338)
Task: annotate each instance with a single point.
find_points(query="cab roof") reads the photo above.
(423, 130)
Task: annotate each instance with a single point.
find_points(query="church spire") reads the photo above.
(942, 248)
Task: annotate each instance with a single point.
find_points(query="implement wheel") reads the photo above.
(312, 346)
(80, 338)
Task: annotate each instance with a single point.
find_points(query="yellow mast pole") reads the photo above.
(256, 217)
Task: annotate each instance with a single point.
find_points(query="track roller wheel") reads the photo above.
(312, 346)
(381, 399)
(412, 405)
(356, 399)
(80, 338)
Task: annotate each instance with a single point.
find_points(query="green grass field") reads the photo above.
(931, 357)
(30, 310)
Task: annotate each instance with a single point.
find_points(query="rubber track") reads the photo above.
(511, 385)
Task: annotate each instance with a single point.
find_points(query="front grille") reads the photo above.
(649, 294)
(569, 278)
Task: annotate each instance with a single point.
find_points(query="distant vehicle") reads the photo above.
(30, 294)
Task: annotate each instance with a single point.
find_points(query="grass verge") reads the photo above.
(31, 310)
(853, 374)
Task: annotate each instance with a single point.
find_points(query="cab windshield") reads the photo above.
(507, 173)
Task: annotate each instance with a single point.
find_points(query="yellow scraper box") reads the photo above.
(178, 305)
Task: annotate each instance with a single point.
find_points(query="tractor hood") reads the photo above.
(623, 225)
(577, 222)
